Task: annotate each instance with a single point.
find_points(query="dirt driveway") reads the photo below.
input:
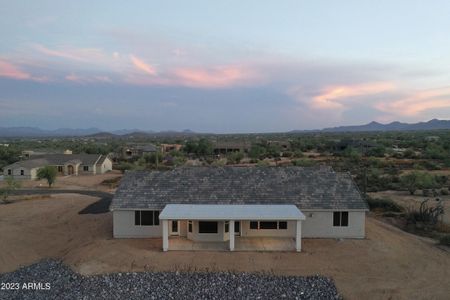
(389, 264)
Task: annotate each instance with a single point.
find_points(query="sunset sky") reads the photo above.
(223, 66)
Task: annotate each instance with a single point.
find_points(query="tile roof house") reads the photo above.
(66, 164)
(219, 203)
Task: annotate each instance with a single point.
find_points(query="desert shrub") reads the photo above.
(445, 240)
(303, 162)
(263, 163)
(298, 154)
(409, 153)
(430, 165)
(426, 215)
(383, 204)
(123, 166)
(288, 154)
(235, 157)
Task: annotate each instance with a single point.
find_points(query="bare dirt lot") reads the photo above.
(74, 182)
(389, 264)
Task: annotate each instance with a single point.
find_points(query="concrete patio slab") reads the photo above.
(241, 244)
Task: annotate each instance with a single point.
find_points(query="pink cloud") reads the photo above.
(78, 54)
(416, 103)
(11, 71)
(142, 66)
(333, 97)
(213, 78)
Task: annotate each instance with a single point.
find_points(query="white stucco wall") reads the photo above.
(123, 226)
(319, 224)
(106, 166)
(15, 173)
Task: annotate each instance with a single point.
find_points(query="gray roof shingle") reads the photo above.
(38, 161)
(308, 188)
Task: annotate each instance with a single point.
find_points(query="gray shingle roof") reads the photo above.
(308, 188)
(56, 160)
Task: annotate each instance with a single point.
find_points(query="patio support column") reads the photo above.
(298, 236)
(165, 232)
(231, 234)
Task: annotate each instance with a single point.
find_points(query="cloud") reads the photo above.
(333, 97)
(91, 55)
(413, 104)
(87, 79)
(142, 66)
(217, 77)
(12, 71)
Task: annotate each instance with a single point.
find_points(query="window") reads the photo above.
(340, 218)
(282, 225)
(207, 227)
(85, 168)
(237, 227)
(227, 226)
(274, 225)
(174, 226)
(268, 225)
(146, 218)
(190, 226)
(60, 169)
(9, 172)
(22, 172)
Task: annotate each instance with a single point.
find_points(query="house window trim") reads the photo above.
(155, 218)
(190, 226)
(9, 172)
(85, 168)
(22, 172)
(343, 221)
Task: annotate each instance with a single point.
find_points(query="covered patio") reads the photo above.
(221, 227)
(241, 244)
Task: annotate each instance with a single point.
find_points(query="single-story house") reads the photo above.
(66, 164)
(138, 150)
(220, 203)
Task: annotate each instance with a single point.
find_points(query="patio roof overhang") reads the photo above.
(231, 212)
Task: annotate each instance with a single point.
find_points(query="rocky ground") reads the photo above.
(60, 282)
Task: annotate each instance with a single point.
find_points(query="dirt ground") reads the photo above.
(389, 264)
(406, 200)
(74, 182)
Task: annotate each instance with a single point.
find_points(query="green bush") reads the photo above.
(384, 204)
(303, 162)
(445, 240)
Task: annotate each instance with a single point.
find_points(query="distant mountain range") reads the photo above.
(10, 132)
(130, 133)
(434, 124)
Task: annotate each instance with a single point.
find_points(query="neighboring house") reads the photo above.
(66, 164)
(225, 147)
(138, 150)
(219, 203)
(165, 148)
(26, 154)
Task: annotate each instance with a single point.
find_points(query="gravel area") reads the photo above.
(65, 284)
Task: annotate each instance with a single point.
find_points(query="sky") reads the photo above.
(223, 66)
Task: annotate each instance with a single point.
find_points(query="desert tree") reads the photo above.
(10, 185)
(48, 173)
